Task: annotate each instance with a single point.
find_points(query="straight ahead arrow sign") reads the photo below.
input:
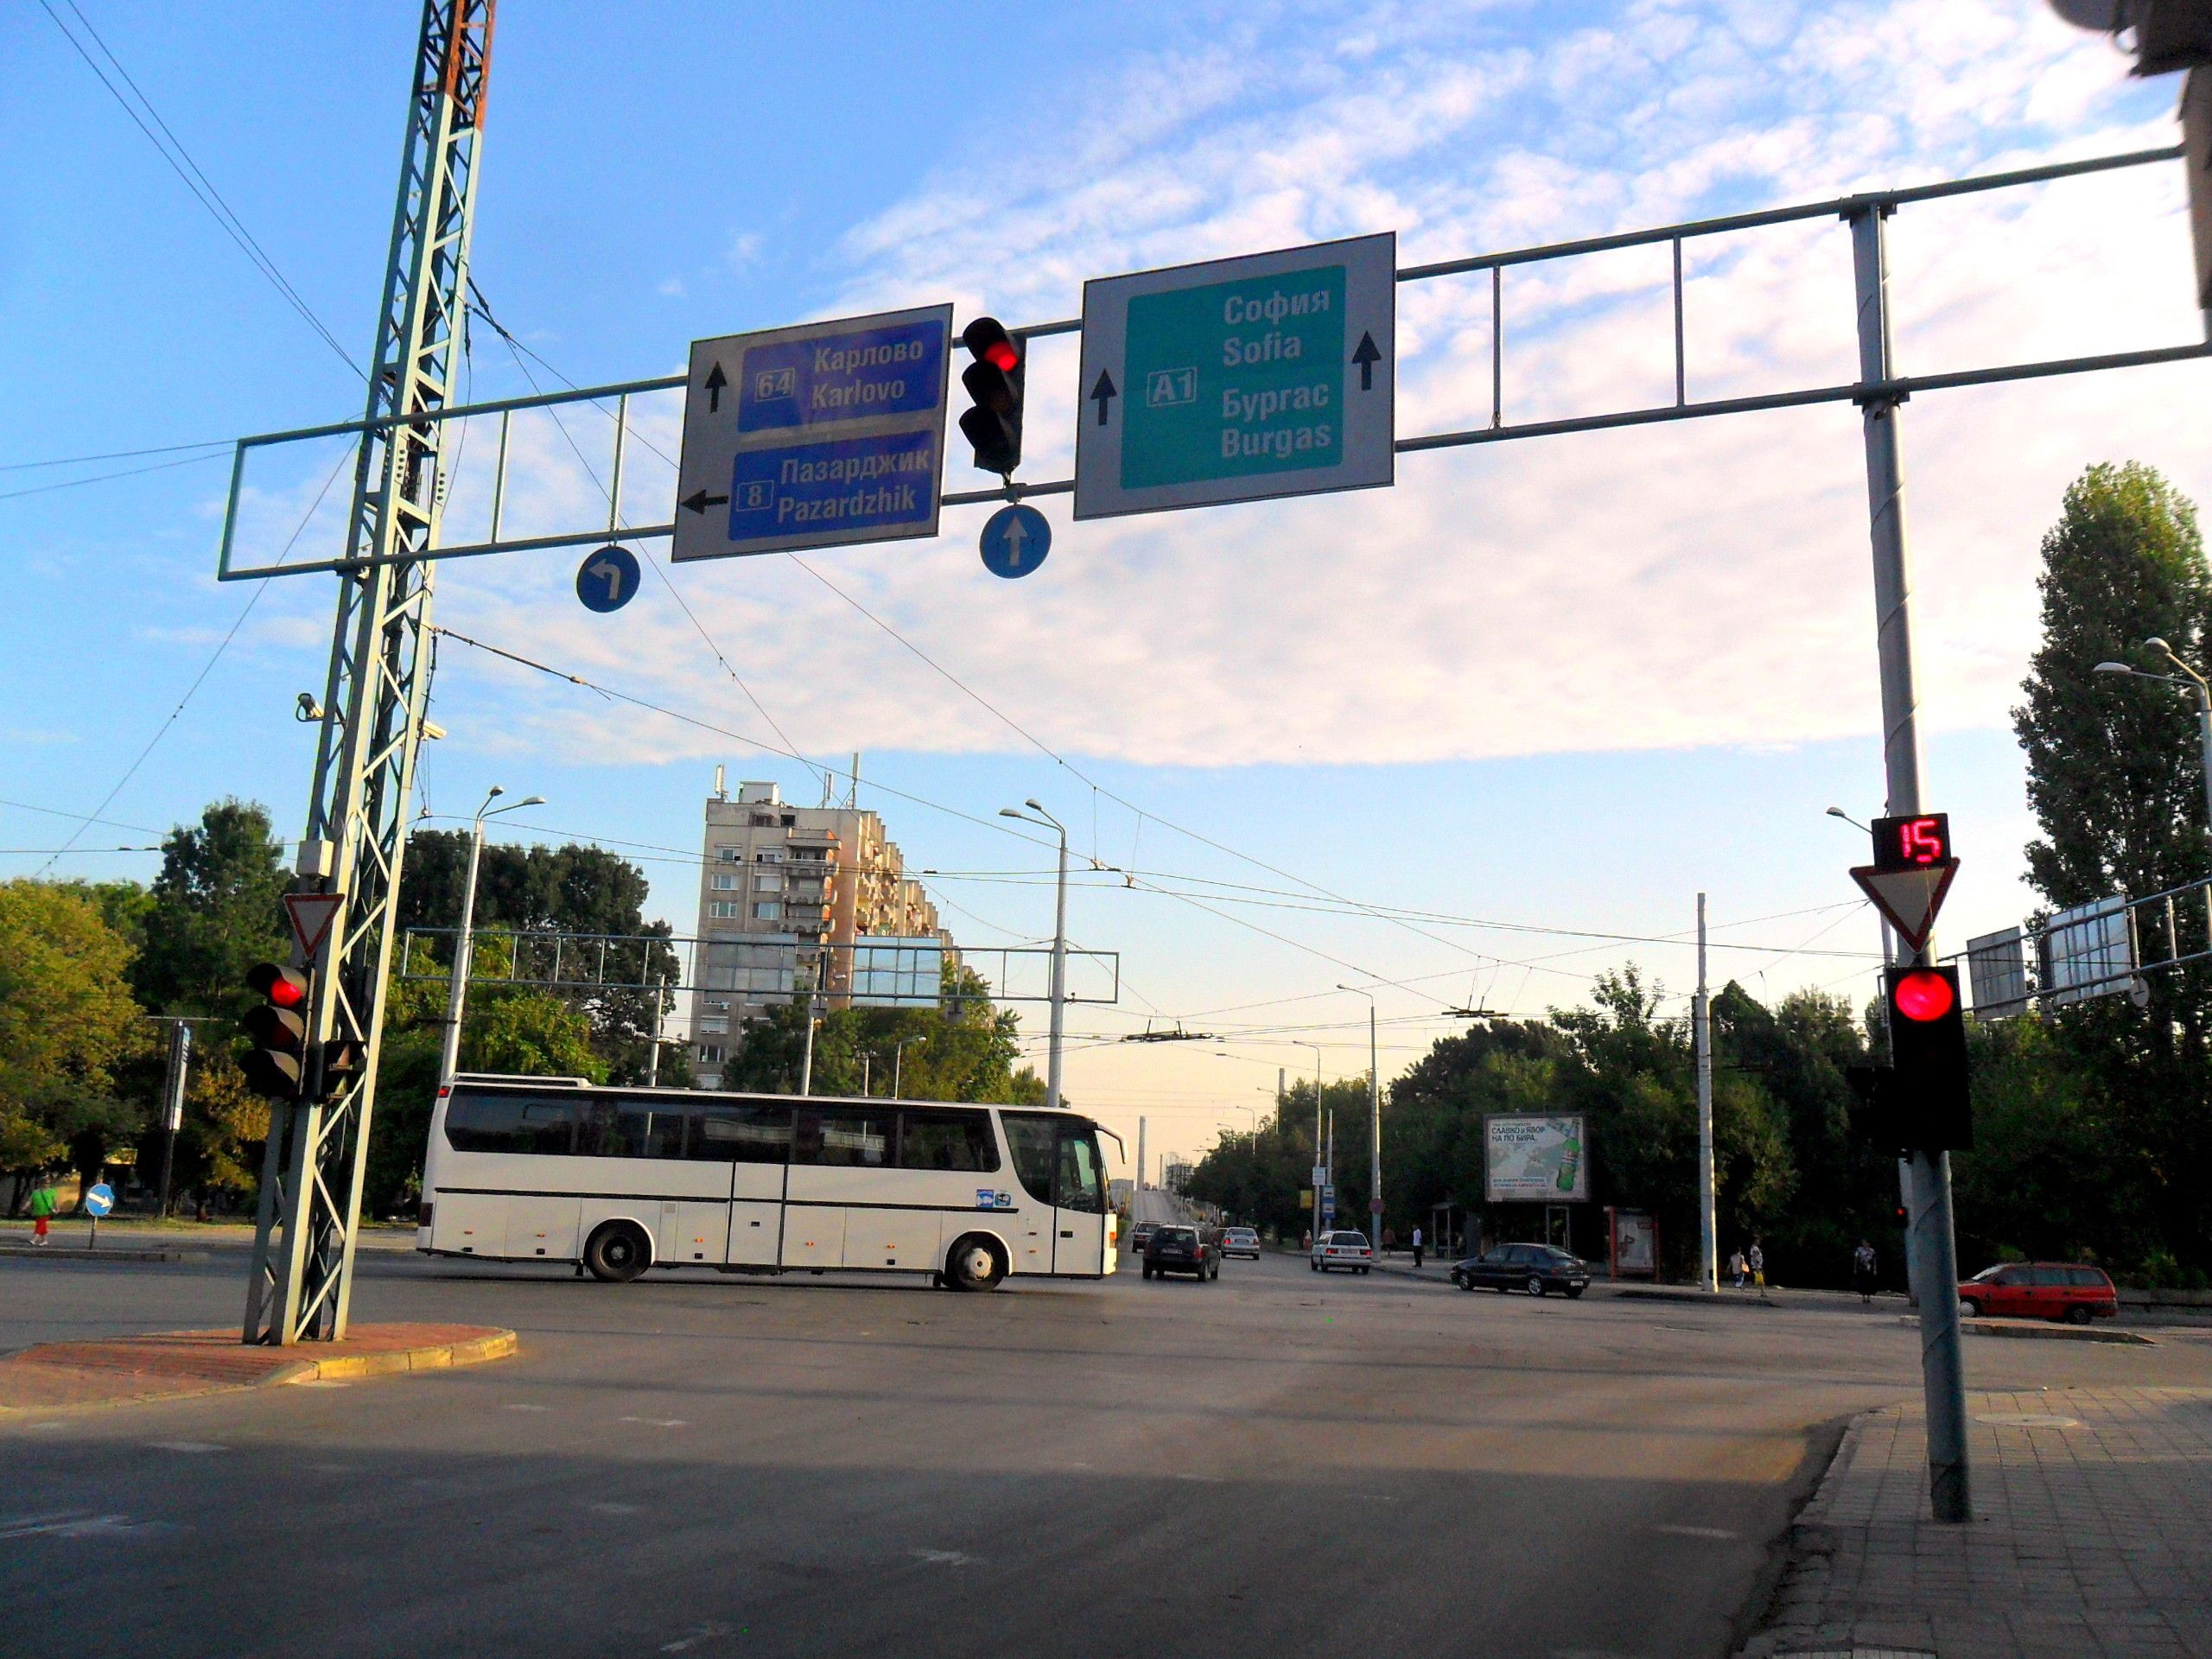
(1367, 355)
(714, 383)
(1909, 898)
(1103, 394)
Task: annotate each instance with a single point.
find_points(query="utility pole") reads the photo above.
(652, 1054)
(179, 1062)
(1707, 1243)
(376, 693)
(1933, 1247)
(806, 1057)
(1139, 1186)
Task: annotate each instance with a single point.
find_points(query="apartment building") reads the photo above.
(793, 897)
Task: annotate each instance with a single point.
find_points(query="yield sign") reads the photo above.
(311, 913)
(1909, 898)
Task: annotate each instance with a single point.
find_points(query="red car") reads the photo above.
(2041, 1290)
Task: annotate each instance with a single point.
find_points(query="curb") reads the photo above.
(440, 1357)
(2052, 1332)
(86, 1252)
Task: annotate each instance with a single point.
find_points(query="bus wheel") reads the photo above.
(618, 1252)
(975, 1264)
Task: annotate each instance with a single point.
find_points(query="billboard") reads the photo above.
(2089, 951)
(1536, 1158)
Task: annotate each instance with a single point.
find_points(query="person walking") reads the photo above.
(1417, 1247)
(1736, 1268)
(1862, 1271)
(43, 1204)
(1755, 1259)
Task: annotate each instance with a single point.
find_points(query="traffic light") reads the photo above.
(993, 380)
(1927, 1086)
(278, 1026)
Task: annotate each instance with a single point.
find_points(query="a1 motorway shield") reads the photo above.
(1238, 379)
(815, 435)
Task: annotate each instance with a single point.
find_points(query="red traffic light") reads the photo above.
(987, 338)
(284, 987)
(1922, 995)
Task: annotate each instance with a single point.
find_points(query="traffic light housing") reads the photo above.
(994, 383)
(277, 1028)
(1925, 1095)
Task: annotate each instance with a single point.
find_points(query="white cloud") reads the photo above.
(1665, 586)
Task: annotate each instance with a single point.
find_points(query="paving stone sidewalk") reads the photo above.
(2093, 1537)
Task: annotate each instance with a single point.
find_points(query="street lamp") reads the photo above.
(2196, 683)
(464, 947)
(1374, 1122)
(1320, 1160)
(899, 1061)
(1059, 942)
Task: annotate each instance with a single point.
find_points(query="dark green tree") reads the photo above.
(215, 910)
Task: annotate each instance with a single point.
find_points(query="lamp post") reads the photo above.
(1374, 1122)
(1059, 943)
(1320, 1159)
(899, 1062)
(464, 946)
(2196, 683)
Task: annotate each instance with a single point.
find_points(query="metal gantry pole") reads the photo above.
(1934, 1248)
(376, 692)
(1708, 1244)
(173, 1087)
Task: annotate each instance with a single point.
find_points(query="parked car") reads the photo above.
(1195, 1250)
(2071, 1291)
(1140, 1234)
(1539, 1269)
(1341, 1249)
(1241, 1241)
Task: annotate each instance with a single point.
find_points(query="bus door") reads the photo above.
(754, 1138)
(1079, 1202)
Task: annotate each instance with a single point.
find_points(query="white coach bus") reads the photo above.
(556, 1169)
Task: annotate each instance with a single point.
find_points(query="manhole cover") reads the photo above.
(2025, 1420)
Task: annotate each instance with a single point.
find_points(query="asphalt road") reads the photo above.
(1272, 1463)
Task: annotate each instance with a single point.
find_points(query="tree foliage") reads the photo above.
(215, 910)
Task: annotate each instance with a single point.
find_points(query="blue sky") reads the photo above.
(1562, 684)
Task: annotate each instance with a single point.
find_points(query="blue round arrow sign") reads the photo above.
(1015, 541)
(99, 1200)
(605, 581)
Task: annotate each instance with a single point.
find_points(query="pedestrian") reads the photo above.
(1862, 1271)
(1306, 1243)
(1755, 1259)
(1417, 1247)
(43, 1204)
(1736, 1268)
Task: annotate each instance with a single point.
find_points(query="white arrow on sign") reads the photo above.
(310, 914)
(610, 572)
(1017, 538)
(1909, 898)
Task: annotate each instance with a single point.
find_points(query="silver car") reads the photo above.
(1341, 1249)
(1241, 1241)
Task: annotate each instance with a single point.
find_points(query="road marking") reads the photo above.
(514, 1408)
(944, 1557)
(185, 1446)
(74, 1524)
(1720, 1533)
(692, 1638)
(657, 1422)
(616, 1508)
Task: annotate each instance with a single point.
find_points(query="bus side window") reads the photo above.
(504, 1123)
(852, 1137)
(1080, 1185)
(615, 1126)
(1031, 1136)
(947, 1141)
(742, 1133)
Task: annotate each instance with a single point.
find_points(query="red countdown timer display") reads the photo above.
(1912, 843)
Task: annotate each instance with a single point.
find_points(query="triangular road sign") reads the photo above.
(1909, 898)
(311, 913)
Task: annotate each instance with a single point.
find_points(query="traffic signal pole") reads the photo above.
(1931, 1248)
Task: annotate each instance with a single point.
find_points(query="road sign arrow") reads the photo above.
(310, 914)
(1017, 538)
(610, 572)
(1103, 394)
(1367, 356)
(699, 501)
(716, 381)
(1909, 898)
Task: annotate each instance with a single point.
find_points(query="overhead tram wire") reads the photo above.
(104, 478)
(195, 180)
(221, 445)
(206, 668)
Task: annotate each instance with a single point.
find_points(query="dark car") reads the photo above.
(1194, 1251)
(1539, 1269)
(1140, 1234)
(2072, 1291)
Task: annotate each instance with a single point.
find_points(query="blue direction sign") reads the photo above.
(99, 1200)
(1015, 541)
(606, 579)
(1238, 379)
(814, 437)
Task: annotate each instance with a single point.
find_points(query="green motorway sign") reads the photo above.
(1239, 379)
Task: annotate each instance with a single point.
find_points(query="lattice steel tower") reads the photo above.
(377, 688)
